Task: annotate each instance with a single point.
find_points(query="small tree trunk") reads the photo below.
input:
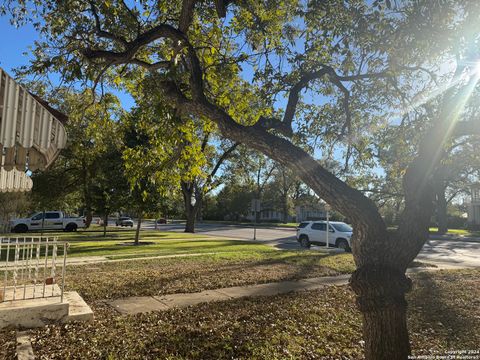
(190, 224)
(88, 218)
(442, 212)
(381, 300)
(285, 209)
(190, 213)
(105, 223)
(137, 232)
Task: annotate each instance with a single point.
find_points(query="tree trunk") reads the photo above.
(381, 300)
(441, 208)
(192, 216)
(137, 232)
(285, 207)
(190, 224)
(190, 210)
(105, 223)
(88, 217)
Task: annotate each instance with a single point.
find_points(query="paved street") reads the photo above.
(455, 253)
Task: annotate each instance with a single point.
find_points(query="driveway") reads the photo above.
(443, 252)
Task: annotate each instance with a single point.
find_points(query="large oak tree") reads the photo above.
(267, 71)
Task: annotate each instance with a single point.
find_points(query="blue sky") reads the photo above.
(14, 43)
(15, 51)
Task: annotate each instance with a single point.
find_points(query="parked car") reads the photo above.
(315, 232)
(162, 221)
(48, 220)
(124, 221)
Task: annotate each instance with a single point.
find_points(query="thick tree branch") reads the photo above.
(272, 123)
(150, 66)
(186, 15)
(131, 48)
(295, 92)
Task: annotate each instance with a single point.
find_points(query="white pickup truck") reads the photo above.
(54, 220)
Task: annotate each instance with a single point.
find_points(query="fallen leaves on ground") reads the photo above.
(444, 313)
(180, 275)
(8, 344)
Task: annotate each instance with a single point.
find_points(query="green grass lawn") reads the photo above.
(460, 232)
(443, 314)
(92, 243)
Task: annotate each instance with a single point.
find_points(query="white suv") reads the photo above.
(314, 232)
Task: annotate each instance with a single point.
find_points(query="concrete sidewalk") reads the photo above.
(144, 304)
(135, 305)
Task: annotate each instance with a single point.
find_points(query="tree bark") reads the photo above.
(190, 224)
(137, 232)
(105, 223)
(285, 206)
(88, 217)
(191, 211)
(440, 200)
(381, 299)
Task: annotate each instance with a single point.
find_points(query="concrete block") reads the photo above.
(32, 313)
(136, 305)
(183, 300)
(78, 309)
(38, 312)
(24, 346)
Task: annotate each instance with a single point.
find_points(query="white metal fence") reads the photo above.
(34, 267)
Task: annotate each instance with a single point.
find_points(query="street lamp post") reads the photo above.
(327, 209)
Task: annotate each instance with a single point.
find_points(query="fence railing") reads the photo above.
(30, 267)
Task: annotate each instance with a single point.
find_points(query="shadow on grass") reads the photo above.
(431, 305)
(173, 246)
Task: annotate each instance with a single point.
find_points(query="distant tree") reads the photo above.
(233, 201)
(70, 182)
(110, 188)
(253, 169)
(459, 170)
(12, 204)
(196, 188)
(156, 157)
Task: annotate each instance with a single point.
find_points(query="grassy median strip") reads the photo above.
(119, 244)
(444, 314)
